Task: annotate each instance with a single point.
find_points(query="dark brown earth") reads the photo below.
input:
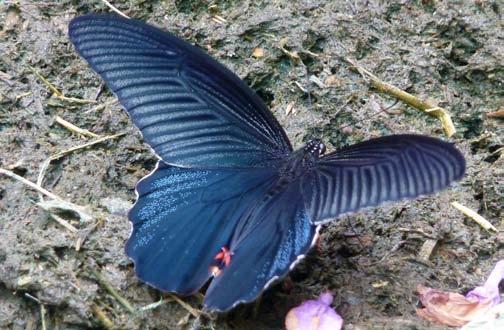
(448, 53)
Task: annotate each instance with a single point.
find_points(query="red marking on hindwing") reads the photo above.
(223, 258)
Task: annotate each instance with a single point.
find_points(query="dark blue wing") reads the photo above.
(183, 217)
(390, 168)
(266, 244)
(190, 109)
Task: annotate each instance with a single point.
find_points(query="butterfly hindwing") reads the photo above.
(276, 234)
(384, 169)
(190, 109)
(183, 217)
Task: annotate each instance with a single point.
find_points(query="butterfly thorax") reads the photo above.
(302, 160)
(297, 164)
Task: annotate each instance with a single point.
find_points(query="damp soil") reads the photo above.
(293, 55)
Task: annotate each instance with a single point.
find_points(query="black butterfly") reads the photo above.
(229, 199)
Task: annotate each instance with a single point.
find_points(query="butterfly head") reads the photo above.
(315, 147)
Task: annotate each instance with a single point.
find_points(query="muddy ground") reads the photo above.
(448, 53)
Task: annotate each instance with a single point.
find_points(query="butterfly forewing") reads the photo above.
(190, 109)
(390, 168)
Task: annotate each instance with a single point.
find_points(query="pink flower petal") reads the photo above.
(489, 290)
(314, 315)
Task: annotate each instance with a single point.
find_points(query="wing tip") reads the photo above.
(457, 160)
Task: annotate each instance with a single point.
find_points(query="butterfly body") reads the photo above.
(296, 165)
(230, 202)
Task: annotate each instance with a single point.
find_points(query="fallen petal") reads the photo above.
(314, 315)
(496, 114)
(449, 308)
(489, 290)
(494, 319)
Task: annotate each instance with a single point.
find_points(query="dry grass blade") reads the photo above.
(60, 201)
(57, 218)
(218, 19)
(484, 223)
(52, 205)
(56, 91)
(63, 153)
(431, 109)
(74, 129)
(42, 316)
(294, 56)
(101, 106)
(115, 9)
(84, 216)
(427, 248)
(290, 108)
(194, 312)
(499, 151)
(102, 317)
(30, 184)
(316, 80)
(304, 90)
(107, 286)
(20, 96)
(42, 309)
(51, 87)
(85, 145)
(154, 305)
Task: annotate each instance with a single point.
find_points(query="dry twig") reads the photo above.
(425, 106)
(50, 205)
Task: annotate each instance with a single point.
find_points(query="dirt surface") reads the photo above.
(449, 53)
